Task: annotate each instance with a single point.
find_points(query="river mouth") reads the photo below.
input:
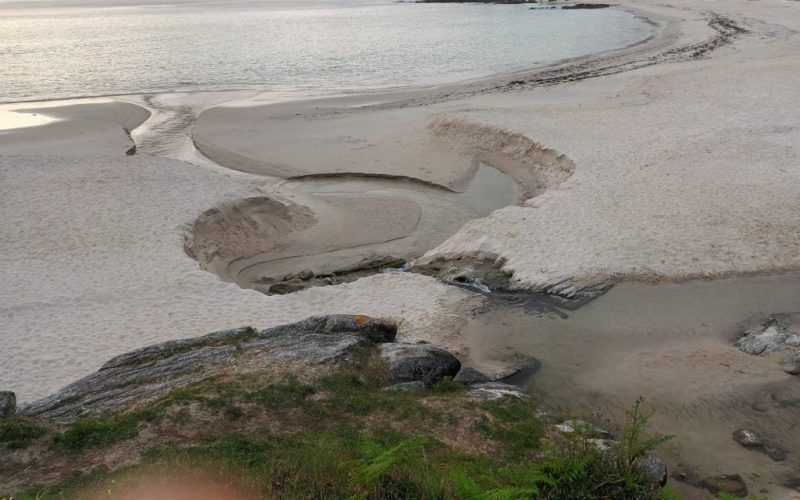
(671, 344)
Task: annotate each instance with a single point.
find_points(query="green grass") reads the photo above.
(17, 432)
(99, 432)
(329, 451)
(514, 425)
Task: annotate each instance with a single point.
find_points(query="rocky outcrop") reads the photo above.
(418, 362)
(8, 404)
(157, 369)
(376, 330)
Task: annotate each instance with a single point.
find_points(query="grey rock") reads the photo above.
(306, 275)
(775, 453)
(470, 376)
(655, 468)
(417, 385)
(771, 336)
(287, 287)
(494, 391)
(545, 414)
(747, 438)
(175, 347)
(8, 404)
(317, 348)
(157, 369)
(732, 484)
(791, 364)
(423, 362)
(574, 425)
(751, 440)
(377, 330)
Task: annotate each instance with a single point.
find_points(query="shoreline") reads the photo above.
(489, 80)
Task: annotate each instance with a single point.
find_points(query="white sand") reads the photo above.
(92, 265)
(80, 126)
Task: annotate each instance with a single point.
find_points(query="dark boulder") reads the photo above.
(423, 362)
(470, 376)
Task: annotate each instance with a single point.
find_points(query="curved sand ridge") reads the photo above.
(337, 227)
(374, 201)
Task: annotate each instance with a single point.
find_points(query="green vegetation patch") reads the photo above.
(17, 432)
(345, 436)
(98, 432)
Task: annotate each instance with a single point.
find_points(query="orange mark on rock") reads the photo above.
(360, 320)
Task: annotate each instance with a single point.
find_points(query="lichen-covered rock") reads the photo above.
(8, 404)
(747, 438)
(751, 440)
(655, 468)
(423, 362)
(775, 334)
(470, 376)
(570, 426)
(154, 370)
(495, 390)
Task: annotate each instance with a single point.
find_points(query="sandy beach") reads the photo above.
(674, 159)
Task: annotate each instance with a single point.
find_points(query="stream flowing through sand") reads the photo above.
(671, 344)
